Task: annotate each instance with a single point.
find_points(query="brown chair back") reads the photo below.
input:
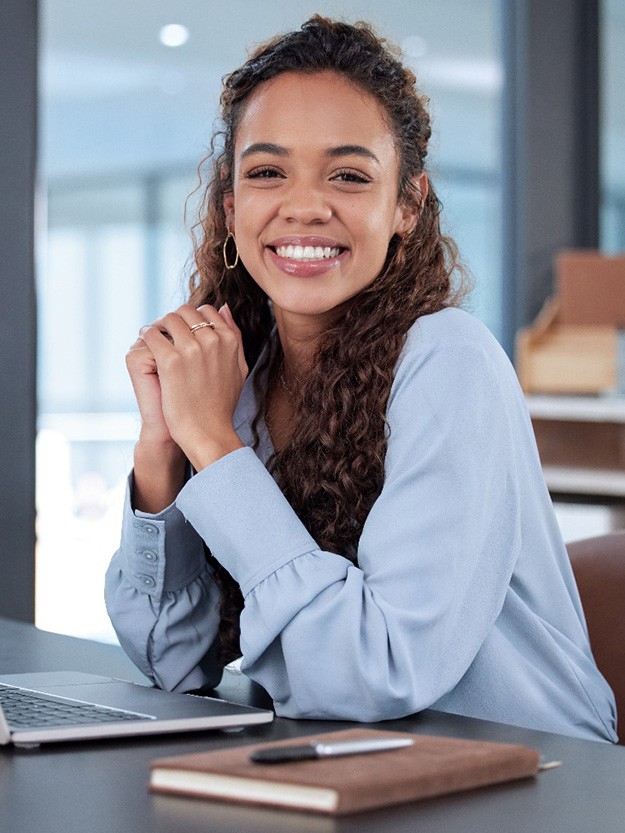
(599, 567)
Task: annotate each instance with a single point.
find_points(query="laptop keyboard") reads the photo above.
(25, 709)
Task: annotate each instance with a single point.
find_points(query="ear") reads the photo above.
(407, 216)
(228, 204)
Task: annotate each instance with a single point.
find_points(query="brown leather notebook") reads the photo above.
(431, 766)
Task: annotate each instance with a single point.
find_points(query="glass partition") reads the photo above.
(612, 126)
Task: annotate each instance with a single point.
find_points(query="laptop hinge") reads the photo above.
(5, 734)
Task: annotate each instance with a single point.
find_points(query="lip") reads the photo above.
(306, 268)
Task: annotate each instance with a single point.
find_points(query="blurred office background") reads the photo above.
(127, 101)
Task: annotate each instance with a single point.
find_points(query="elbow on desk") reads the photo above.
(359, 703)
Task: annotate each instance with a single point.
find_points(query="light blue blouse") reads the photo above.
(463, 599)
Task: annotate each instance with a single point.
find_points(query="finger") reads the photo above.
(157, 341)
(170, 328)
(139, 344)
(209, 315)
(157, 329)
(226, 314)
(224, 324)
(140, 359)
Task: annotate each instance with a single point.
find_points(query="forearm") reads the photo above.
(159, 474)
(332, 640)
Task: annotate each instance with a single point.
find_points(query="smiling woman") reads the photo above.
(336, 476)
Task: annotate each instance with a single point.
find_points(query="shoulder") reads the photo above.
(452, 351)
(450, 329)
(451, 332)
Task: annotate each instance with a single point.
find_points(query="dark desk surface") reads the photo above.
(101, 787)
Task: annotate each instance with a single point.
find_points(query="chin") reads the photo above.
(305, 306)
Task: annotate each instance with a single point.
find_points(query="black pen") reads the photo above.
(283, 754)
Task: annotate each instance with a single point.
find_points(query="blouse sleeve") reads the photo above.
(162, 600)
(390, 636)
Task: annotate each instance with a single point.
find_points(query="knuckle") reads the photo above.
(170, 363)
(192, 349)
(133, 355)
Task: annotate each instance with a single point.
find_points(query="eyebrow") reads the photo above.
(265, 147)
(334, 152)
(351, 150)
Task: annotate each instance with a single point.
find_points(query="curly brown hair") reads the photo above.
(331, 469)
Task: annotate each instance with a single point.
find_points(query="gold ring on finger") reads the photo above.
(203, 324)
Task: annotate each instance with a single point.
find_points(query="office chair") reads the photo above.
(599, 567)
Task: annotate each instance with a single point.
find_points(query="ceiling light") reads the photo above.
(174, 34)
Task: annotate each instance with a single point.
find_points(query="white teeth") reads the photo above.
(307, 252)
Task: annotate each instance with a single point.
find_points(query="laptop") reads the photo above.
(53, 706)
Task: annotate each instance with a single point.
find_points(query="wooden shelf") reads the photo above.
(577, 408)
(581, 481)
(581, 442)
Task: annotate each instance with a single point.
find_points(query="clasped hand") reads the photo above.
(187, 384)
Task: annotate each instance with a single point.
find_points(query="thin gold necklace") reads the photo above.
(291, 389)
(278, 381)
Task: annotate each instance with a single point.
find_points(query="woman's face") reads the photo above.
(314, 202)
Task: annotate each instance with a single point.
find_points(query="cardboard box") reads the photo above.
(590, 288)
(554, 358)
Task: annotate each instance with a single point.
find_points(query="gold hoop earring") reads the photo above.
(225, 253)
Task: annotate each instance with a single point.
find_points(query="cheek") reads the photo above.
(244, 229)
(248, 227)
(376, 234)
(251, 217)
(377, 220)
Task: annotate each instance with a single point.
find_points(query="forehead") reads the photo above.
(325, 109)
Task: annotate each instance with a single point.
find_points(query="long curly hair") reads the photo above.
(331, 469)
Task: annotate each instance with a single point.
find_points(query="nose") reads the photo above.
(304, 202)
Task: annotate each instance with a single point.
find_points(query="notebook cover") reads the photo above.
(432, 766)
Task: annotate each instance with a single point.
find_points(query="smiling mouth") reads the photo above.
(307, 252)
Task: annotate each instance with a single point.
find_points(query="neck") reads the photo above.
(299, 337)
(299, 344)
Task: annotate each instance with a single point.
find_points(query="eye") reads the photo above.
(351, 176)
(265, 172)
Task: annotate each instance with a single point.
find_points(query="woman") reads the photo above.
(367, 523)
